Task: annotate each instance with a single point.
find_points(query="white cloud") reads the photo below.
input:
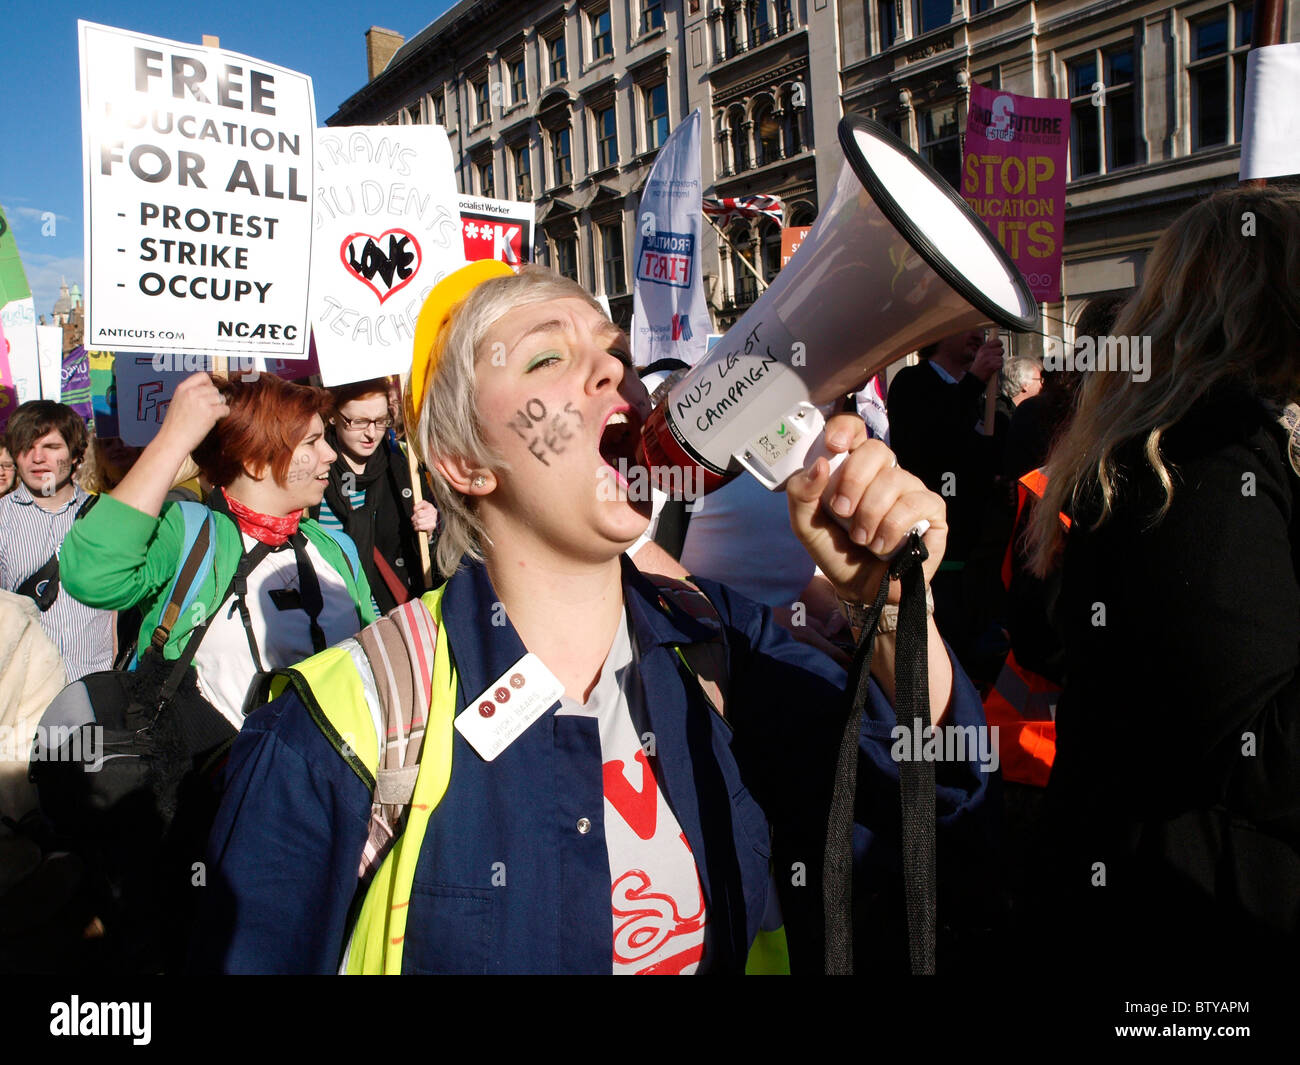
(35, 214)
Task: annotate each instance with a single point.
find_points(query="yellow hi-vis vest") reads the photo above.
(352, 721)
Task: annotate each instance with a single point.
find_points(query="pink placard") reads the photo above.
(1013, 177)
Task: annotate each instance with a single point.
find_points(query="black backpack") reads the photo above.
(126, 767)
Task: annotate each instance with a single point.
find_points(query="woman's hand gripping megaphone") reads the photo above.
(853, 507)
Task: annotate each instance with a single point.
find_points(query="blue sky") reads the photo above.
(40, 118)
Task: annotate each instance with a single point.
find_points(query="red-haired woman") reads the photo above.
(262, 445)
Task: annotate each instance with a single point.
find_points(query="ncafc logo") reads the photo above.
(102, 1018)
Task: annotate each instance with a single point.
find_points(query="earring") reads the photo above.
(479, 481)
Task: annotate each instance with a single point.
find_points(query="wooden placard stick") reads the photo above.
(426, 563)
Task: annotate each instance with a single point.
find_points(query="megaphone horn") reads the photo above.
(895, 260)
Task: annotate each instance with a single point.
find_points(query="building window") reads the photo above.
(888, 24)
(1217, 70)
(656, 115)
(760, 29)
(742, 259)
(602, 38)
(566, 257)
(411, 116)
(771, 250)
(439, 108)
(652, 15)
(931, 14)
(518, 81)
(559, 64)
(978, 6)
(606, 137)
(739, 143)
(768, 131)
(940, 144)
(732, 24)
(1103, 112)
(794, 140)
(611, 243)
(784, 16)
(482, 106)
(561, 156)
(523, 173)
(486, 183)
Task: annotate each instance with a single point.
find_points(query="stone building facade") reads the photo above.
(565, 102)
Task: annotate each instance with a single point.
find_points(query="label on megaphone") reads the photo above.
(745, 384)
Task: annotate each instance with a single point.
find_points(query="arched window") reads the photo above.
(739, 142)
(801, 214)
(745, 285)
(792, 102)
(767, 133)
(770, 241)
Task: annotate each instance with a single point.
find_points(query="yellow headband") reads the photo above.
(436, 312)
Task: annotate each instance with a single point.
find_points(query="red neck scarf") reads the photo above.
(264, 527)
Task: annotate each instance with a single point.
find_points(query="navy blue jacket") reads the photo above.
(287, 840)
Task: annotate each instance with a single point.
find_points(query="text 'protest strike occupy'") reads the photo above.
(199, 197)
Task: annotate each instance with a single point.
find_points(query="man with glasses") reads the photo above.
(370, 496)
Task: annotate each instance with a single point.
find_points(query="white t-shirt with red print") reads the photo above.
(656, 899)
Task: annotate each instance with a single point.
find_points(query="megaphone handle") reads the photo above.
(818, 450)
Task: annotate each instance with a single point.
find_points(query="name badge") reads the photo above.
(502, 714)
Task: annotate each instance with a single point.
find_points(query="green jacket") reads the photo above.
(116, 557)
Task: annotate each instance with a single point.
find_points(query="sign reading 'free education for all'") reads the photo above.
(198, 189)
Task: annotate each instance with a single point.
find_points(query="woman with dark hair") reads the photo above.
(370, 496)
(261, 444)
(1178, 752)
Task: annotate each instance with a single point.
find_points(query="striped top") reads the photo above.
(330, 520)
(29, 535)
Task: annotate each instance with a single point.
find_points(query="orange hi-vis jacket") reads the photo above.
(1022, 703)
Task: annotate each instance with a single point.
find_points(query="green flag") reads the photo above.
(13, 281)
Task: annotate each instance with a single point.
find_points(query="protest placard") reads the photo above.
(1014, 179)
(198, 197)
(143, 394)
(497, 229)
(75, 383)
(49, 351)
(103, 392)
(21, 364)
(791, 238)
(386, 231)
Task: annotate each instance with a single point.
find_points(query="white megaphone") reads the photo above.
(895, 261)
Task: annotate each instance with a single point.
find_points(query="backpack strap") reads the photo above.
(399, 649)
(707, 660)
(185, 579)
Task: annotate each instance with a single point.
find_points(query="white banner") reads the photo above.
(19, 320)
(497, 229)
(198, 196)
(1270, 129)
(49, 348)
(670, 318)
(387, 230)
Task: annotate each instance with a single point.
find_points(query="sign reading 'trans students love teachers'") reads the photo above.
(387, 231)
(198, 192)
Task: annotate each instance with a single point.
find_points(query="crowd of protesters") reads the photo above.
(1115, 576)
